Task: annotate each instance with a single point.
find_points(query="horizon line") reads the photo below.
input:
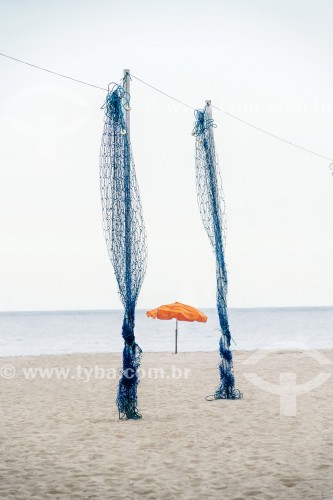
(32, 311)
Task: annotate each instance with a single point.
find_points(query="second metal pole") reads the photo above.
(210, 116)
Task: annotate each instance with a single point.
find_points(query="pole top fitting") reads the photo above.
(208, 103)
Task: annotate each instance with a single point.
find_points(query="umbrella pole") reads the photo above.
(176, 336)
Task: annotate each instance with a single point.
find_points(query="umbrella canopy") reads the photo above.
(179, 311)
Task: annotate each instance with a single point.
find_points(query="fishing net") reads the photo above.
(211, 205)
(125, 234)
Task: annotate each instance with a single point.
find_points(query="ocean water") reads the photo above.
(63, 332)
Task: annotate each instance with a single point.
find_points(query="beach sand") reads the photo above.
(62, 438)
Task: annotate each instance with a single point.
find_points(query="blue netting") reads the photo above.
(124, 233)
(211, 205)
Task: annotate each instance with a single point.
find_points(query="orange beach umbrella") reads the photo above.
(178, 311)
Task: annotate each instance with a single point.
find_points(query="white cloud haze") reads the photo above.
(267, 62)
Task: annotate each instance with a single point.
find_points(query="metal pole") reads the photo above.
(211, 160)
(127, 80)
(127, 182)
(210, 116)
(176, 337)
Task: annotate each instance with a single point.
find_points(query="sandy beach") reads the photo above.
(61, 437)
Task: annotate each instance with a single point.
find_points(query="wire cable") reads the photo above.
(164, 93)
(240, 120)
(53, 72)
(272, 135)
(286, 141)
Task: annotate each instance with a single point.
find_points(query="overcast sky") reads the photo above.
(268, 62)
